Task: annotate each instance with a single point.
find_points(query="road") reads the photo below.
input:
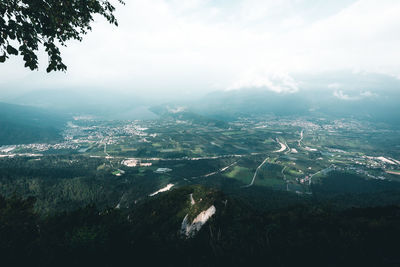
(213, 173)
(288, 148)
(174, 159)
(311, 176)
(108, 157)
(284, 178)
(301, 138)
(301, 141)
(105, 150)
(255, 173)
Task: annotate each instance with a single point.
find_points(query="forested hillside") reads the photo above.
(24, 125)
(148, 234)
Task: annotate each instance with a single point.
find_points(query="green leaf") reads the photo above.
(11, 50)
(31, 23)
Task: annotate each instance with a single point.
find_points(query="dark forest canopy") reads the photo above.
(147, 234)
(25, 25)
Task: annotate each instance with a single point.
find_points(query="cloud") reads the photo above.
(276, 82)
(334, 85)
(168, 45)
(343, 96)
(367, 94)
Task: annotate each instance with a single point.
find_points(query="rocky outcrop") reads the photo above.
(167, 188)
(190, 229)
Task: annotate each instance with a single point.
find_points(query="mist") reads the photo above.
(166, 50)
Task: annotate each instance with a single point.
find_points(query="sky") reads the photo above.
(195, 46)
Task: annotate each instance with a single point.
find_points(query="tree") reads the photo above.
(25, 25)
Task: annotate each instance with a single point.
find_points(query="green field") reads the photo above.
(241, 174)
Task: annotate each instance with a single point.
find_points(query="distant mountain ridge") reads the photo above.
(100, 104)
(368, 97)
(182, 113)
(23, 124)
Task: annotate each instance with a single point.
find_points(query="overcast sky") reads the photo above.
(205, 45)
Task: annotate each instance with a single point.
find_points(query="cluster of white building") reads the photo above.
(135, 163)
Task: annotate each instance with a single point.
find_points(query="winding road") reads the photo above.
(301, 138)
(311, 176)
(284, 178)
(255, 173)
(213, 173)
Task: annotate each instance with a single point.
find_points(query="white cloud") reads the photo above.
(276, 82)
(368, 94)
(341, 95)
(334, 85)
(344, 96)
(194, 45)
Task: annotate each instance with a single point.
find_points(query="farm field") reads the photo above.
(124, 161)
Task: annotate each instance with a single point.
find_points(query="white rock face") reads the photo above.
(167, 188)
(192, 202)
(189, 230)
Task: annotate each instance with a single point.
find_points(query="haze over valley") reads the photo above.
(201, 133)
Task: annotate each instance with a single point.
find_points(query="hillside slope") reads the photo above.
(24, 124)
(150, 234)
